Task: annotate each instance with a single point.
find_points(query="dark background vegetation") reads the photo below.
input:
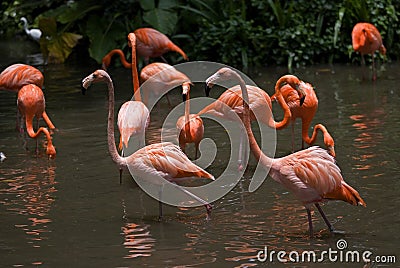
(239, 33)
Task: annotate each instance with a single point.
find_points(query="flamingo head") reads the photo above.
(222, 74)
(96, 76)
(51, 151)
(295, 83)
(330, 144)
(185, 90)
(131, 39)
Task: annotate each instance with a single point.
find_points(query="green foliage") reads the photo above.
(236, 32)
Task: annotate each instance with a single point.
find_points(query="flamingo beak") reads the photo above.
(184, 96)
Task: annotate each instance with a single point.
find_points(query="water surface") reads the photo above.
(72, 211)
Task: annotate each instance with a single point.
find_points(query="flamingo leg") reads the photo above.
(37, 140)
(363, 66)
(331, 229)
(163, 59)
(373, 68)
(292, 136)
(240, 165)
(169, 102)
(310, 226)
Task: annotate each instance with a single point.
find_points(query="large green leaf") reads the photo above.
(147, 4)
(161, 19)
(56, 46)
(101, 42)
(167, 4)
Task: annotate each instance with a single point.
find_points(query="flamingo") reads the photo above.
(159, 159)
(31, 103)
(152, 43)
(190, 126)
(366, 39)
(260, 104)
(311, 174)
(163, 76)
(107, 59)
(35, 34)
(306, 112)
(15, 76)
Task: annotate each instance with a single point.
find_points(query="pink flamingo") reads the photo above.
(152, 161)
(366, 39)
(31, 103)
(190, 126)
(306, 113)
(311, 174)
(152, 43)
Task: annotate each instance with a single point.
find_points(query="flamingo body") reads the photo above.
(152, 43)
(366, 39)
(31, 103)
(18, 75)
(133, 119)
(159, 77)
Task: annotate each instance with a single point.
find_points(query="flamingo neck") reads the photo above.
(120, 161)
(187, 112)
(121, 55)
(32, 134)
(287, 115)
(135, 75)
(258, 154)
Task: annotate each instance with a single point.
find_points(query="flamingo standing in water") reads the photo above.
(162, 76)
(106, 61)
(311, 174)
(231, 102)
(152, 161)
(15, 76)
(152, 43)
(366, 39)
(306, 112)
(31, 103)
(190, 126)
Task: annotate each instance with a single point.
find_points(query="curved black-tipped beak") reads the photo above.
(207, 90)
(302, 100)
(184, 96)
(83, 89)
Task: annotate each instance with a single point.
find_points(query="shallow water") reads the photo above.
(72, 211)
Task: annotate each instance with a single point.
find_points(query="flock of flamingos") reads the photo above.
(311, 174)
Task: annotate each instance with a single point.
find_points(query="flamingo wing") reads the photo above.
(18, 75)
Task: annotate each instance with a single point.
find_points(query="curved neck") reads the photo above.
(121, 55)
(135, 75)
(258, 154)
(32, 134)
(120, 161)
(287, 115)
(313, 138)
